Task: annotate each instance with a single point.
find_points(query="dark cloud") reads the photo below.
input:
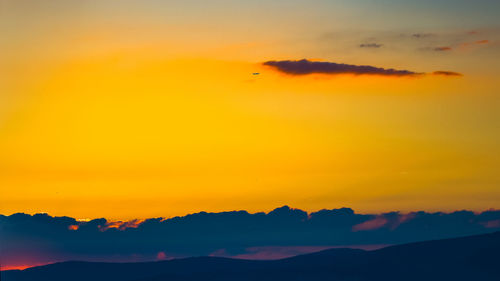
(447, 73)
(304, 66)
(443, 49)
(42, 238)
(370, 45)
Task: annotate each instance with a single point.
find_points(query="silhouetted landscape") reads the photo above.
(236, 140)
(466, 258)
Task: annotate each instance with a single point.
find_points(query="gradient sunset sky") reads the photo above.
(135, 109)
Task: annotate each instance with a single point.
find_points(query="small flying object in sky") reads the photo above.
(255, 73)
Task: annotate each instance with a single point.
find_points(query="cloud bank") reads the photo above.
(304, 66)
(38, 239)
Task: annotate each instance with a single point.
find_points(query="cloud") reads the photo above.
(271, 252)
(121, 225)
(304, 67)
(36, 239)
(161, 256)
(443, 49)
(492, 224)
(478, 42)
(281, 252)
(447, 73)
(73, 227)
(373, 224)
(473, 44)
(370, 45)
(422, 35)
(482, 42)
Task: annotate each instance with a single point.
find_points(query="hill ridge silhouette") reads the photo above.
(462, 258)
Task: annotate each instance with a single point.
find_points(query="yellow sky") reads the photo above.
(115, 120)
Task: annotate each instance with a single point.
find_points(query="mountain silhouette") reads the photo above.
(466, 258)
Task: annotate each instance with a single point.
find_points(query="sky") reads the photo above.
(138, 109)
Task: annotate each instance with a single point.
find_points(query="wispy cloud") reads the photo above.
(475, 43)
(121, 225)
(373, 224)
(447, 73)
(370, 45)
(482, 42)
(443, 49)
(422, 35)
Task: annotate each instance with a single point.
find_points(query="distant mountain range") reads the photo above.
(472, 258)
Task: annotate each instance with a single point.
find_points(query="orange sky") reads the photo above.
(131, 115)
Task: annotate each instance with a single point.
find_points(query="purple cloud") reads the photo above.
(304, 67)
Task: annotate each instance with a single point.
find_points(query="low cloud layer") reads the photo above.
(304, 66)
(38, 239)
